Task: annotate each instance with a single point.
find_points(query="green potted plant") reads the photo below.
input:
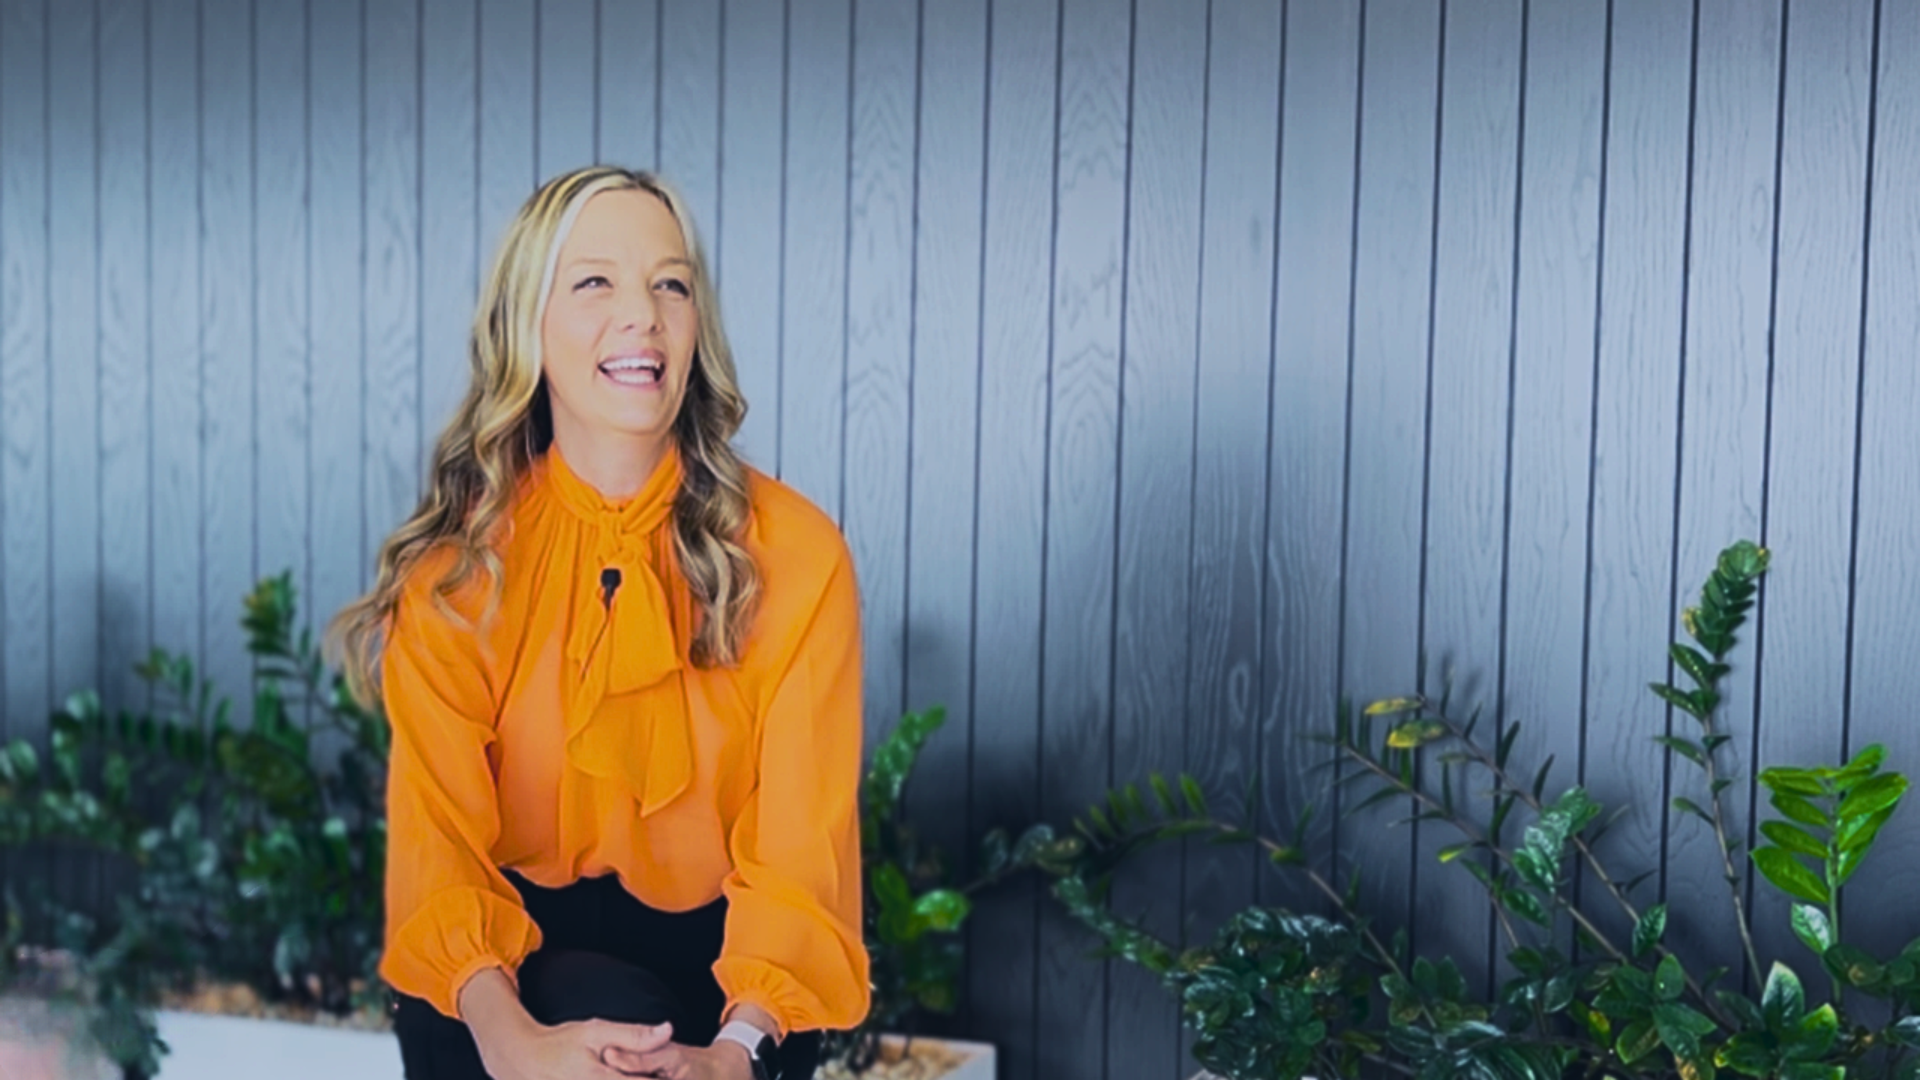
(914, 915)
(252, 860)
(1282, 994)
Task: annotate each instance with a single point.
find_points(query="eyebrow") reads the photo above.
(595, 260)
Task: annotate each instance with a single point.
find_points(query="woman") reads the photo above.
(623, 675)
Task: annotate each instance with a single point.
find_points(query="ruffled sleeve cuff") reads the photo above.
(794, 1007)
(456, 935)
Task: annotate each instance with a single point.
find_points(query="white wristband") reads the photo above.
(739, 1031)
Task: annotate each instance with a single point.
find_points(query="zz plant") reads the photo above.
(251, 853)
(1279, 994)
(914, 914)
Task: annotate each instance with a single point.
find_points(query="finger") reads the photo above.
(666, 1062)
(637, 1038)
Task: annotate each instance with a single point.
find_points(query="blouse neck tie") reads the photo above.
(627, 719)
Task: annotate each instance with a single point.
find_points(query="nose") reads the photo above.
(640, 310)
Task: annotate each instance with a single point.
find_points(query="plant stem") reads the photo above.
(1726, 854)
(1579, 917)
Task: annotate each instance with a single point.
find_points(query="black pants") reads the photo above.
(603, 956)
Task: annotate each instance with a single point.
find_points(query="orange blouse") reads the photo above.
(571, 737)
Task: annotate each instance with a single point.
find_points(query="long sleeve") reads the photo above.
(793, 940)
(450, 912)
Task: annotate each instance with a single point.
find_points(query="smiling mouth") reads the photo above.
(635, 370)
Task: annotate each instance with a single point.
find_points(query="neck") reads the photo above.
(617, 466)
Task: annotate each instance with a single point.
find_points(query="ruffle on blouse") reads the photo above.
(626, 646)
(463, 931)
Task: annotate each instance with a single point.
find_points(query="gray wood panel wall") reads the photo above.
(1175, 369)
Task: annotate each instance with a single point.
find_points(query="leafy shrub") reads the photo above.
(255, 853)
(1278, 994)
(913, 916)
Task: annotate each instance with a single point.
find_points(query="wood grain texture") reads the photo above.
(1473, 281)
(509, 170)
(1636, 410)
(228, 339)
(1231, 436)
(1391, 296)
(1011, 510)
(449, 208)
(173, 52)
(567, 85)
(939, 631)
(338, 452)
(1724, 426)
(1089, 274)
(1552, 360)
(1154, 524)
(879, 376)
(26, 483)
(628, 106)
(73, 342)
(752, 134)
(1307, 461)
(1883, 676)
(690, 112)
(1814, 408)
(813, 299)
(281, 294)
(126, 370)
(391, 408)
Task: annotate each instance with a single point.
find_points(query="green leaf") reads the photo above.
(1794, 839)
(1800, 810)
(1636, 1041)
(1389, 706)
(1453, 851)
(1852, 965)
(1684, 747)
(1881, 792)
(1811, 927)
(1415, 733)
(1669, 979)
(1790, 877)
(943, 909)
(1196, 802)
(1688, 806)
(1857, 834)
(1649, 929)
(1782, 1002)
(1793, 780)
(1906, 1031)
(1816, 1033)
(1698, 668)
(1677, 699)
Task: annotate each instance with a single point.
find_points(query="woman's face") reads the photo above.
(618, 333)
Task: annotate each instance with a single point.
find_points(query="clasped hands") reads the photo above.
(604, 1050)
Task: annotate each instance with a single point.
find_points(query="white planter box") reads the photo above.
(238, 1048)
(975, 1061)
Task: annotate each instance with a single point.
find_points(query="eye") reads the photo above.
(591, 281)
(675, 286)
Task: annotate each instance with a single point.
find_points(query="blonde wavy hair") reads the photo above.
(504, 424)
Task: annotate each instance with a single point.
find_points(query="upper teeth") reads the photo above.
(630, 364)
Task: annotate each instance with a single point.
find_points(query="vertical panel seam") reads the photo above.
(720, 137)
(421, 478)
(979, 388)
(1426, 429)
(1264, 559)
(1513, 378)
(659, 76)
(1046, 479)
(1346, 467)
(1860, 385)
(913, 320)
(1119, 489)
(1680, 432)
(846, 265)
(6, 674)
(1193, 425)
(1766, 452)
(364, 451)
(146, 49)
(780, 292)
(1593, 401)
